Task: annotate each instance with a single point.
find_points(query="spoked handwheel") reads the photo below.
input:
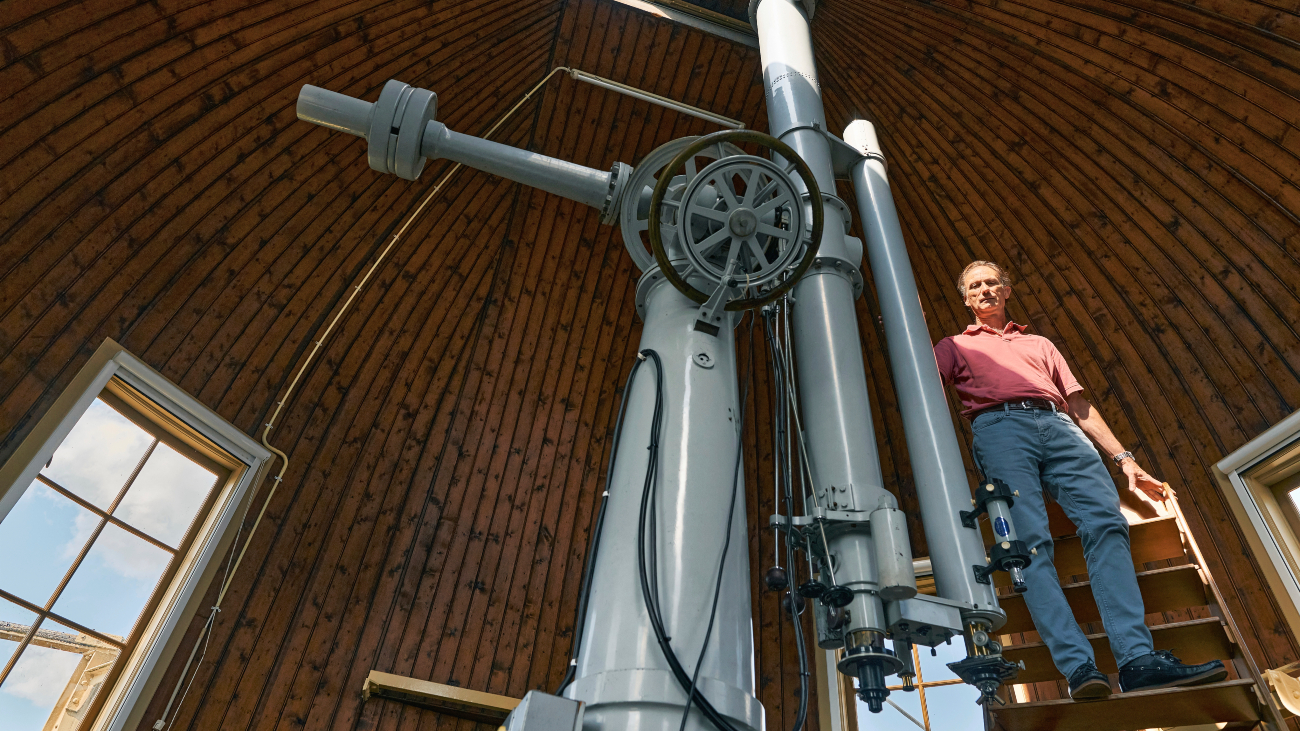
(635, 208)
(740, 222)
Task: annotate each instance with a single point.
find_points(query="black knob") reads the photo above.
(871, 686)
(776, 579)
(811, 589)
(837, 596)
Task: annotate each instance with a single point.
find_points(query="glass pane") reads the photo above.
(113, 583)
(169, 490)
(936, 667)
(98, 455)
(953, 708)
(890, 718)
(43, 679)
(48, 531)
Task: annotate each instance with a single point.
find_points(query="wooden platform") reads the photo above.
(1233, 702)
(1236, 703)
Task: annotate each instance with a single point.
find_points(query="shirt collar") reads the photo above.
(975, 329)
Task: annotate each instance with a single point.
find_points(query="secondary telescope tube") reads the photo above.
(937, 464)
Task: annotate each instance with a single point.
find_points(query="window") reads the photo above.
(1261, 485)
(109, 514)
(941, 701)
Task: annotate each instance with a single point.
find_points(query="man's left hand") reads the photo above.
(1138, 479)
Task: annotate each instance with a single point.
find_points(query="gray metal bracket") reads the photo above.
(833, 522)
(843, 155)
(835, 264)
(925, 620)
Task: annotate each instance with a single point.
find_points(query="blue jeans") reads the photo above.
(1039, 451)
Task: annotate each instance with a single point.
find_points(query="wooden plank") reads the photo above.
(1197, 641)
(1163, 590)
(1230, 702)
(450, 700)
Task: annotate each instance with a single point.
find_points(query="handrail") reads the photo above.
(1275, 721)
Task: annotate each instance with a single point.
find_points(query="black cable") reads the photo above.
(726, 541)
(647, 594)
(782, 417)
(584, 592)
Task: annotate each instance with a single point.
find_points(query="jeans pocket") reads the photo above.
(984, 421)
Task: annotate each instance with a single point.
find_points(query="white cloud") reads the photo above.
(165, 496)
(41, 675)
(95, 461)
(99, 454)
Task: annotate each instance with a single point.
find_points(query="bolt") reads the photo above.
(989, 488)
(1006, 545)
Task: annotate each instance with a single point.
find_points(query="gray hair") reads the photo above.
(1003, 276)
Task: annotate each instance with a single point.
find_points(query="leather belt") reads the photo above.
(1021, 405)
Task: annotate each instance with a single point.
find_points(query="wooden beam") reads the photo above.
(447, 699)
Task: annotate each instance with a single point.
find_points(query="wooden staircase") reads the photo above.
(1186, 614)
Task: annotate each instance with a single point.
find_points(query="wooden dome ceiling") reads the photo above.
(1134, 162)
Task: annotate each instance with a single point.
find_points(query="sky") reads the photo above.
(45, 531)
(951, 707)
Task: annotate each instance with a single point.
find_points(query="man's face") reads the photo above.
(985, 294)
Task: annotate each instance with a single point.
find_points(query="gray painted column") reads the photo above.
(622, 675)
(937, 464)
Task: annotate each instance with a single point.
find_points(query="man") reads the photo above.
(1030, 419)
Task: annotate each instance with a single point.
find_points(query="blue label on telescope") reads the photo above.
(1002, 527)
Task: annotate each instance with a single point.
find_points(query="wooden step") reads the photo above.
(1197, 641)
(1163, 590)
(1149, 540)
(1232, 701)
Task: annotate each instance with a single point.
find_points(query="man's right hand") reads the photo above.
(1139, 480)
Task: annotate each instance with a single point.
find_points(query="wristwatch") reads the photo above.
(1119, 458)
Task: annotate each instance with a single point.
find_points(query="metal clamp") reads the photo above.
(618, 176)
(1003, 557)
(843, 155)
(992, 490)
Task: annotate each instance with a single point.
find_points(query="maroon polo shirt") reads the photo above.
(988, 367)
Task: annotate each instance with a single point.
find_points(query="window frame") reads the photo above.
(921, 685)
(184, 419)
(1249, 479)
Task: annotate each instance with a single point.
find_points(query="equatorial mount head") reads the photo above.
(729, 230)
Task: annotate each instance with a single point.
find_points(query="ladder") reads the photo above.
(1186, 614)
